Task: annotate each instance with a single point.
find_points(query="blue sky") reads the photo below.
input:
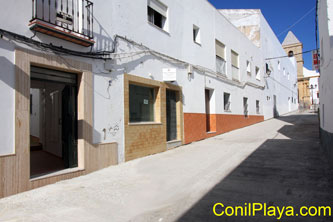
(280, 15)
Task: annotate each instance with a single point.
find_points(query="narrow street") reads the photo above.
(278, 162)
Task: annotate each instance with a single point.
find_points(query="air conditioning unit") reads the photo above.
(65, 18)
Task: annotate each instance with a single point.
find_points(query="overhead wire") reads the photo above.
(298, 21)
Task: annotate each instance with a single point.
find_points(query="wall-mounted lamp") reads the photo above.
(189, 71)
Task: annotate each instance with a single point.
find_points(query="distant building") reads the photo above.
(294, 47)
(325, 22)
(313, 86)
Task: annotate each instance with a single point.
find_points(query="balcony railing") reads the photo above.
(71, 20)
(235, 73)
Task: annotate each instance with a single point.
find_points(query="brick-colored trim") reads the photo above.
(195, 124)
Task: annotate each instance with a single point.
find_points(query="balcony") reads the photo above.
(70, 20)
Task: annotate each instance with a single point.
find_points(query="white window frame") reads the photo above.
(227, 106)
(258, 73)
(248, 67)
(158, 7)
(196, 34)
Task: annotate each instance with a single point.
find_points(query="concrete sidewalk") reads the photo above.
(277, 160)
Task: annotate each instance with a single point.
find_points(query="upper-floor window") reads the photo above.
(220, 57)
(196, 34)
(257, 73)
(279, 65)
(157, 14)
(235, 65)
(284, 71)
(248, 67)
(234, 59)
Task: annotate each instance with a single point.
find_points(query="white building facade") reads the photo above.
(325, 16)
(99, 83)
(313, 76)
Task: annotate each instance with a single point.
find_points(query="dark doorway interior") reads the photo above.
(207, 101)
(275, 111)
(53, 121)
(171, 108)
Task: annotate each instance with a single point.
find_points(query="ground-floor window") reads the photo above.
(141, 103)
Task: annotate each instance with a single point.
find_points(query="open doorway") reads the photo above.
(171, 111)
(210, 108)
(53, 121)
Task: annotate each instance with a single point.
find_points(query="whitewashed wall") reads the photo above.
(128, 18)
(7, 95)
(278, 83)
(326, 68)
(314, 81)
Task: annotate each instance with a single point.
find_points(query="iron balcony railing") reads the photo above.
(76, 16)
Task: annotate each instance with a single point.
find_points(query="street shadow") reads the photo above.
(281, 172)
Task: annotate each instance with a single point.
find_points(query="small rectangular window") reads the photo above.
(257, 73)
(245, 106)
(157, 13)
(227, 102)
(284, 71)
(141, 103)
(248, 67)
(279, 65)
(196, 34)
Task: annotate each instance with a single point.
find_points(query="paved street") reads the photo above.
(278, 162)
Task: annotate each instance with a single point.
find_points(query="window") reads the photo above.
(234, 59)
(284, 71)
(290, 54)
(157, 14)
(227, 102)
(220, 58)
(141, 103)
(279, 65)
(235, 65)
(245, 106)
(257, 107)
(288, 76)
(248, 67)
(196, 34)
(257, 73)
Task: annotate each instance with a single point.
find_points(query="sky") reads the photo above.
(281, 15)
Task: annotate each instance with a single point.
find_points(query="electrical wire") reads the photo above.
(298, 21)
(52, 48)
(289, 56)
